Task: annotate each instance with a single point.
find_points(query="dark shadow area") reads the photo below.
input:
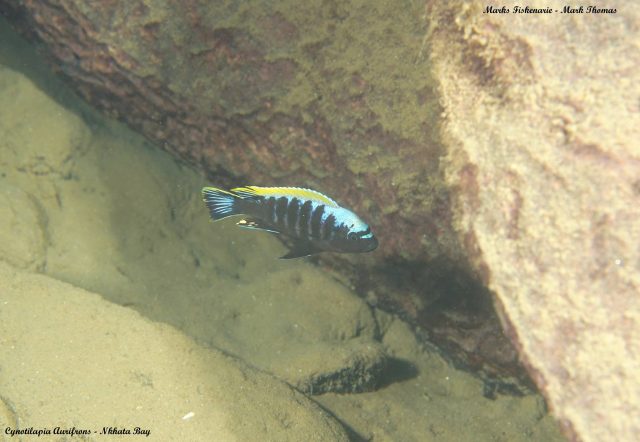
(454, 311)
(397, 370)
(29, 62)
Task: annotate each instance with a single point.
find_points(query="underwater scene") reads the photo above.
(272, 221)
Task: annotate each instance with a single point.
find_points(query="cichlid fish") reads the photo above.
(313, 221)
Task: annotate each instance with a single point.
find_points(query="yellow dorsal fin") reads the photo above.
(298, 192)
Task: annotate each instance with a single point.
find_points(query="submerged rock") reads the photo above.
(543, 124)
(353, 367)
(303, 327)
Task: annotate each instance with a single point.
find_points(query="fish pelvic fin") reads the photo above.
(301, 249)
(221, 203)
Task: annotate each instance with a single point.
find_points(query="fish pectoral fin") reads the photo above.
(300, 249)
(255, 224)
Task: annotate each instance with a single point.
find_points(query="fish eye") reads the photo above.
(352, 236)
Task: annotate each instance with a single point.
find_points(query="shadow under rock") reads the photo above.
(397, 370)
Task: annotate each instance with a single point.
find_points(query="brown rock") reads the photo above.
(543, 121)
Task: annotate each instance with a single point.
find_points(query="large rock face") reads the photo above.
(543, 121)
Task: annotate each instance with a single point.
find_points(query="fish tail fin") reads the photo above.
(221, 203)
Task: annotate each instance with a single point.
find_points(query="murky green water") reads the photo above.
(90, 203)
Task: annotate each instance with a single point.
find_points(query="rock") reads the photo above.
(93, 364)
(352, 367)
(301, 326)
(543, 123)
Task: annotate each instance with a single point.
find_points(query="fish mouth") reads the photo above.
(372, 244)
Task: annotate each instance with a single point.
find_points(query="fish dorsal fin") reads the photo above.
(298, 192)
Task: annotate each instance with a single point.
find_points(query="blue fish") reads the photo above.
(312, 221)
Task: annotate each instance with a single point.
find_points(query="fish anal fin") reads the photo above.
(300, 249)
(256, 224)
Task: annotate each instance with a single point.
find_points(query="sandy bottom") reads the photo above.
(122, 305)
(71, 360)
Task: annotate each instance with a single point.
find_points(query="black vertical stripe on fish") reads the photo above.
(292, 214)
(303, 221)
(316, 221)
(328, 227)
(270, 210)
(281, 211)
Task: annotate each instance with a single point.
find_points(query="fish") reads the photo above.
(310, 220)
